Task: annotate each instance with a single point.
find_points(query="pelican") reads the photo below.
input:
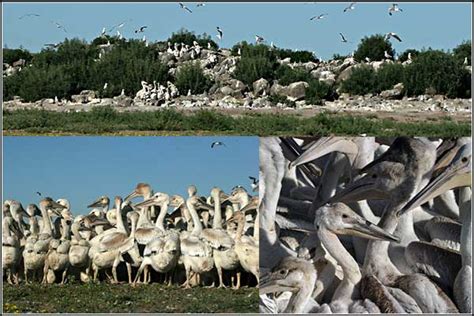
(196, 254)
(387, 55)
(319, 17)
(350, 7)
(343, 39)
(28, 15)
(200, 4)
(394, 35)
(141, 29)
(259, 39)
(254, 183)
(394, 8)
(59, 26)
(53, 45)
(10, 250)
(79, 250)
(184, 7)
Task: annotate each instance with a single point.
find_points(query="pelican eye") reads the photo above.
(282, 272)
(374, 176)
(344, 216)
(464, 159)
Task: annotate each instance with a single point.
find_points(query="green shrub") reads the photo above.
(404, 56)
(186, 37)
(257, 61)
(298, 56)
(287, 75)
(191, 77)
(317, 92)
(373, 47)
(338, 57)
(275, 99)
(437, 70)
(12, 55)
(362, 81)
(462, 51)
(388, 76)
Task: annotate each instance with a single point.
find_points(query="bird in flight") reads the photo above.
(39, 193)
(184, 7)
(221, 33)
(200, 4)
(319, 17)
(141, 29)
(28, 15)
(215, 144)
(350, 7)
(59, 26)
(394, 8)
(343, 39)
(52, 45)
(103, 32)
(118, 26)
(254, 183)
(394, 35)
(259, 39)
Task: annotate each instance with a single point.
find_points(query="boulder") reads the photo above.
(260, 85)
(277, 89)
(226, 90)
(123, 101)
(237, 85)
(346, 73)
(395, 93)
(296, 90)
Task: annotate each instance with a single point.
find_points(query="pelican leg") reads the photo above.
(186, 284)
(221, 282)
(238, 281)
(114, 269)
(129, 271)
(139, 272)
(63, 280)
(45, 272)
(96, 272)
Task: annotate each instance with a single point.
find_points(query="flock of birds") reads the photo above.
(365, 225)
(393, 8)
(202, 236)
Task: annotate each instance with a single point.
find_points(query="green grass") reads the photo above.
(107, 298)
(171, 122)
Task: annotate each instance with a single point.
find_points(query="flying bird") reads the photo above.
(259, 39)
(254, 183)
(184, 7)
(350, 7)
(39, 193)
(141, 29)
(200, 4)
(394, 8)
(59, 26)
(215, 144)
(118, 26)
(221, 33)
(394, 35)
(27, 15)
(319, 17)
(103, 32)
(52, 45)
(343, 39)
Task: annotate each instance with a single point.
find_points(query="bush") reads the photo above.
(404, 56)
(439, 71)
(298, 56)
(275, 99)
(373, 47)
(339, 57)
(257, 61)
(362, 81)
(191, 77)
(462, 51)
(186, 37)
(12, 55)
(287, 75)
(388, 76)
(317, 92)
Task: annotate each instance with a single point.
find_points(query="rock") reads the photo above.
(123, 101)
(346, 73)
(377, 64)
(394, 93)
(277, 89)
(226, 90)
(430, 91)
(260, 85)
(296, 90)
(309, 66)
(237, 85)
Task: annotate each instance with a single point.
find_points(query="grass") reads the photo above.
(105, 120)
(108, 298)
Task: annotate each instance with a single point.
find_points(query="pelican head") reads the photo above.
(49, 204)
(457, 174)
(238, 193)
(198, 203)
(33, 210)
(217, 193)
(142, 189)
(342, 220)
(176, 201)
(192, 190)
(290, 274)
(102, 201)
(157, 199)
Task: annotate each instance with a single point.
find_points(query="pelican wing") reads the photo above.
(217, 238)
(194, 247)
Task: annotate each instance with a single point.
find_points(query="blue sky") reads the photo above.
(436, 25)
(84, 168)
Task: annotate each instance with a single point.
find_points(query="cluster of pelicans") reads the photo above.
(202, 236)
(365, 225)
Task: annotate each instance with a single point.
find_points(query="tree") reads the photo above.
(191, 77)
(373, 47)
(462, 51)
(186, 37)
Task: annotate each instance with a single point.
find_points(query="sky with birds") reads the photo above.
(287, 25)
(81, 169)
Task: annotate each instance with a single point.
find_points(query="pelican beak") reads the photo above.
(362, 188)
(250, 206)
(324, 146)
(206, 206)
(132, 195)
(96, 203)
(146, 203)
(269, 285)
(368, 230)
(456, 175)
(223, 196)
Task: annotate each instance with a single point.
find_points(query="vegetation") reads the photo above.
(191, 77)
(373, 47)
(287, 75)
(106, 120)
(122, 298)
(361, 81)
(275, 99)
(12, 55)
(463, 51)
(404, 56)
(187, 37)
(257, 61)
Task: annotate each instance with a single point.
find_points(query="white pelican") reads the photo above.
(184, 7)
(221, 33)
(350, 7)
(141, 29)
(394, 8)
(394, 35)
(215, 144)
(319, 17)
